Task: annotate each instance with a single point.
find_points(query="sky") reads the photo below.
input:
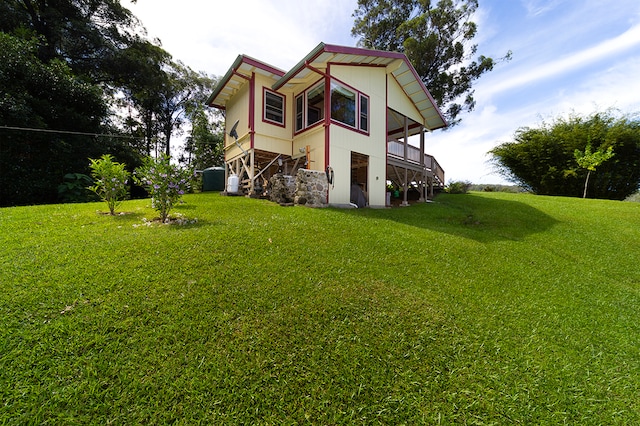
(568, 57)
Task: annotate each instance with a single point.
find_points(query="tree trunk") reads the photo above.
(586, 183)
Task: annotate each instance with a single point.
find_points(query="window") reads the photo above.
(343, 105)
(347, 106)
(364, 113)
(315, 104)
(273, 107)
(299, 112)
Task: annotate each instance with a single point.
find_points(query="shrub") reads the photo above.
(635, 198)
(110, 181)
(165, 182)
(458, 187)
(74, 188)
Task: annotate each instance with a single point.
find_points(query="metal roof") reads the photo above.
(239, 73)
(318, 60)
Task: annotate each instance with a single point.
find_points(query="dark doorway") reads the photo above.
(359, 179)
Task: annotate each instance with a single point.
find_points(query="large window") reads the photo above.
(343, 105)
(315, 104)
(347, 106)
(273, 107)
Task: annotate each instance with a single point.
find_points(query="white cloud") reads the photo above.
(540, 7)
(580, 59)
(279, 33)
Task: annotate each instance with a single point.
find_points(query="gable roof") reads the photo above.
(238, 74)
(397, 65)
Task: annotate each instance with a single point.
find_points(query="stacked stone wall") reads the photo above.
(282, 189)
(311, 188)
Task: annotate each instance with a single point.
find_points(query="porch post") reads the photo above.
(422, 166)
(252, 172)
(406, 169)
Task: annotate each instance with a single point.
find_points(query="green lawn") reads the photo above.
(486, 308)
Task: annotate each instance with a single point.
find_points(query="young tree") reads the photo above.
(111, 180)
(437, 39)
(590, 160)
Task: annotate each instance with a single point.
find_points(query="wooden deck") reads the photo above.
(405, 168)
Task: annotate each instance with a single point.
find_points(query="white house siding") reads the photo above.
(238, 109)
(400, 102)
(371, 82)
(271, 137)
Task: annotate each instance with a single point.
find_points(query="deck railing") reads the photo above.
(396, 149)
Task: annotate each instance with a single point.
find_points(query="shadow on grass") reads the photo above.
(483, 219)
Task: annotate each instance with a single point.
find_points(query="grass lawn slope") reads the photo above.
(486, 308)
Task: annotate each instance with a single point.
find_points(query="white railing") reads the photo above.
(396, 149)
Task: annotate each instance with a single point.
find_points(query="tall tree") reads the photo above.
(543, 159)
(47, 117)
(437, 39)
(83, 33)
(204, 146)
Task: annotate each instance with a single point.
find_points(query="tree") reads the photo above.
(437, 40)
(544, 159)
(47, 117)
(590, 160)
(204, 146)
(85, 34)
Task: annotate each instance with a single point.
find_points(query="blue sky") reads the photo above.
(569, 56)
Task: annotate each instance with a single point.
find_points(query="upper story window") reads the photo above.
(364, 113)
(315, 104)
(273, 107)
(347, 106)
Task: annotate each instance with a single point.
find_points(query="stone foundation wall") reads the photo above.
(311, 189)
(282, 188)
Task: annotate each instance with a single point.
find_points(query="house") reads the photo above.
(341, 110)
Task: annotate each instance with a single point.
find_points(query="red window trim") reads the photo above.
(358, 94)
(264, 108)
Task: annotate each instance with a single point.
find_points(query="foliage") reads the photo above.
(635, 197)
(73, 188)
(526, 315)
(111, 180)
(166, 183)
(458, 187)
(543, 159)
(69, 69)
(437, 39)
(205, 145)
(590, 160)
(43, 98)
(495, 188)
(85, 35)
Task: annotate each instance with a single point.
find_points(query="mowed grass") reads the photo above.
(486, 308)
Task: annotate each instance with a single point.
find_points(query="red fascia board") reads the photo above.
(317, 51)
(346, 50)
(233, 70)
(385, 54)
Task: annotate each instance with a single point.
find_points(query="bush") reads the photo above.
(635, 198)
(165, 182)
(74, 188)
(111, 181)
(458, 187)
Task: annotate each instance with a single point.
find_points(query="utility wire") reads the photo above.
(68, 132)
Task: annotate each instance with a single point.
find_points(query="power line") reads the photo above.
(68, 132)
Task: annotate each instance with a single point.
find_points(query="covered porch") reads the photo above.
(408, 166)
